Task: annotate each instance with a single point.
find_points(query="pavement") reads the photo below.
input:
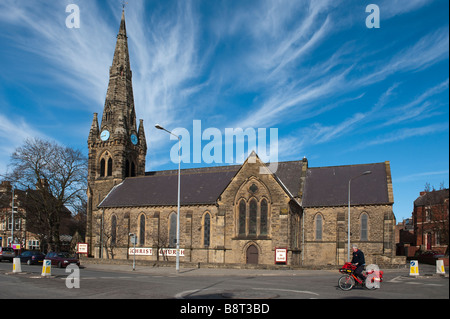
(424, 270)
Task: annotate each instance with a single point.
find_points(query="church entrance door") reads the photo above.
(252, 255)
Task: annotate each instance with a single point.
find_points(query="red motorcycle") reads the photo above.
(373, 277)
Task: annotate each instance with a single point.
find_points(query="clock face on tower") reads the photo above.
(104, 136)
(134, 139)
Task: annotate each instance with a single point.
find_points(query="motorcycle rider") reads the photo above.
(359, 261)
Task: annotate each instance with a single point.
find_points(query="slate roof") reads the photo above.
(324, 186)
(432, 198)
(290, 173)
(198, 186)
(328, 186)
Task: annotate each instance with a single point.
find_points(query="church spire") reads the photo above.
(117, 150)
(121, 55)
(94, 132)
(119, 113)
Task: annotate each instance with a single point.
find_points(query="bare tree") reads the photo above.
(55, 178)
(160, 238)
(112, 233)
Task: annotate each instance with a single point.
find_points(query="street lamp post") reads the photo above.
(159, 127)
(348, 228)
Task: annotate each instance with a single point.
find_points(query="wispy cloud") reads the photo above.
(420, 176)
(293, 62)
(274, 69)
(14, 131)
(392, 8)
(420, 106)
(402, 134)
(167, 60)
(162, 48)
(75, 57)
(427, 51)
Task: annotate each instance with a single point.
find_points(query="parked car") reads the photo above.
(7, 253)
(428, 256)
(32, 257)
(62, 259)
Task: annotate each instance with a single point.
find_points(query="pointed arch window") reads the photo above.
(364, 228)
(206, 229)
(130, 169)
(319, 227)
(113, 230)
(252, 217)
(102, 167)
(110, 165)
(142, 230)
(264, 218)
(242, 217)
(173, 230)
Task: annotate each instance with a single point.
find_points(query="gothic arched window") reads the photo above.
(173, 230)
(242, 217)
(109, 167)
(102, 167)
(363, 228)
(319, 226)
(252, 217)
(142, 230)
(264, 218)
(206, 229)
(113, 230)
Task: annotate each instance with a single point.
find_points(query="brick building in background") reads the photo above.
(431, 220)
(15, 226)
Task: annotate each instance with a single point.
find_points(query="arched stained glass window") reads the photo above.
(242, 217)
(364, 230)
(113, 230)
(173, 230)
(206, 229)
(318, 227)
(142, 230)
(252, 217)
(264, 218)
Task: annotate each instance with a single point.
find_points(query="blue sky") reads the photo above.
(338, 92)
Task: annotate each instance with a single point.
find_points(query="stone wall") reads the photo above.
(332, 247)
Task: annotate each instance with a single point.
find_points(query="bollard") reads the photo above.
(414, 268)
(440, 267)
(17, 267)
(46, 268)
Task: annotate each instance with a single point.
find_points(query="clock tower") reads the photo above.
(117, 148)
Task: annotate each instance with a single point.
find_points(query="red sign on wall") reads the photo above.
(82, 248)
(281, 255)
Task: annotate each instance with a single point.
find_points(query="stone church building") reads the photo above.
(230, 214)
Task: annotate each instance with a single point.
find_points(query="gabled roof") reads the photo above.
(328, 186)
(323, 186)
(198, 186)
